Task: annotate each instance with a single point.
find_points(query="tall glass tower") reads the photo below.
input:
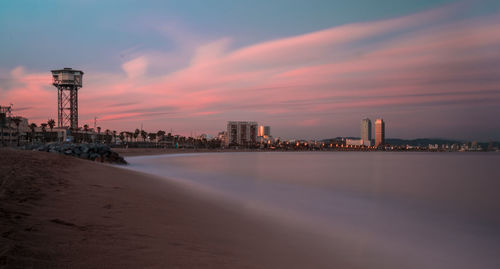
(366, 131)
(379, 132)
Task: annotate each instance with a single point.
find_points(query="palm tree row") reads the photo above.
(84, 134)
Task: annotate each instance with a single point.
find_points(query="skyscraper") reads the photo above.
(260, 131)
(264, 131)
(267, 130)
(366, 131)
(379, 132)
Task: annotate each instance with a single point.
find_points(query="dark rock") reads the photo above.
(94, 152)
(85, 149)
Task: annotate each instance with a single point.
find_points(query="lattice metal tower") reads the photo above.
(67, 81)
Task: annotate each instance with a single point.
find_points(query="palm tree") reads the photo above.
(107, 133)
(51, 123)
(160, 134)
(121, 136)
(98, 134)
(44, 127)
(17, 121)
(136, 134)
(85, 129)
(32, 127)
(152, 136)
(144, 135)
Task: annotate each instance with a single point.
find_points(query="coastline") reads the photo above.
(62, 212)
(132, 152)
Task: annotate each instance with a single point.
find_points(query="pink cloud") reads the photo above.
(136, 67)
(309, 122)
(421, 60)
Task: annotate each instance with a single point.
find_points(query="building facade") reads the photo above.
(366, 131)
(241, 133)
(354, 142)
(13, 130)
(379, 132)
(357, 142)
(264, 130)
(267, 130)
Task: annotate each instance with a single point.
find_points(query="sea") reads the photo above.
(408, 209)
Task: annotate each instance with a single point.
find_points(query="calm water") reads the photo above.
(413, 210)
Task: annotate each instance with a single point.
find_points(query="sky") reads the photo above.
(309, 69)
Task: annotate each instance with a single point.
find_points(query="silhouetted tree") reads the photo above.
(44, 130)
(152, 136)
(99, 134)
(51, 123)
(32, 127)
(85, 129)
(160, 134)
(121, 136)
(17, 122)
(144, 135)
(136, 134)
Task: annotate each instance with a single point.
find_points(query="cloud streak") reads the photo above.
(430, 59)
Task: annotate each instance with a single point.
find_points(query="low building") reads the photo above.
(358, 142)
(14, 130)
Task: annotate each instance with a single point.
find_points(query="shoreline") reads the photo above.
(132, 152)
(60, 212)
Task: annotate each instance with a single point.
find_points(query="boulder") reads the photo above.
(94, 152)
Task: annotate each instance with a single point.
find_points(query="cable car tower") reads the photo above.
(67, 81)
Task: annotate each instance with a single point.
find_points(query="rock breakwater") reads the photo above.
(90, 151)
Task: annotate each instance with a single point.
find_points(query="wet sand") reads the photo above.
(61, 212)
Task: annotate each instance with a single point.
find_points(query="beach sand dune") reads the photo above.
(61, 212)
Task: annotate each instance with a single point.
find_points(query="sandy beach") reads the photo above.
(61, 212)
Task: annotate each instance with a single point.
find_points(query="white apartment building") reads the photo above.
(241, 133)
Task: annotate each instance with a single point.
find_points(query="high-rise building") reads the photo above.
(260, 131)
(264, 130)
(241, 133)
(379, 132)
(366, 131)
(267, 130)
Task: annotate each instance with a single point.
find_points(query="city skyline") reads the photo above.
(431, 68)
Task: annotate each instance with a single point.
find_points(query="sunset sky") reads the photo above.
(309, 69)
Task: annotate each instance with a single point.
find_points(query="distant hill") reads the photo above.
(421, 141)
